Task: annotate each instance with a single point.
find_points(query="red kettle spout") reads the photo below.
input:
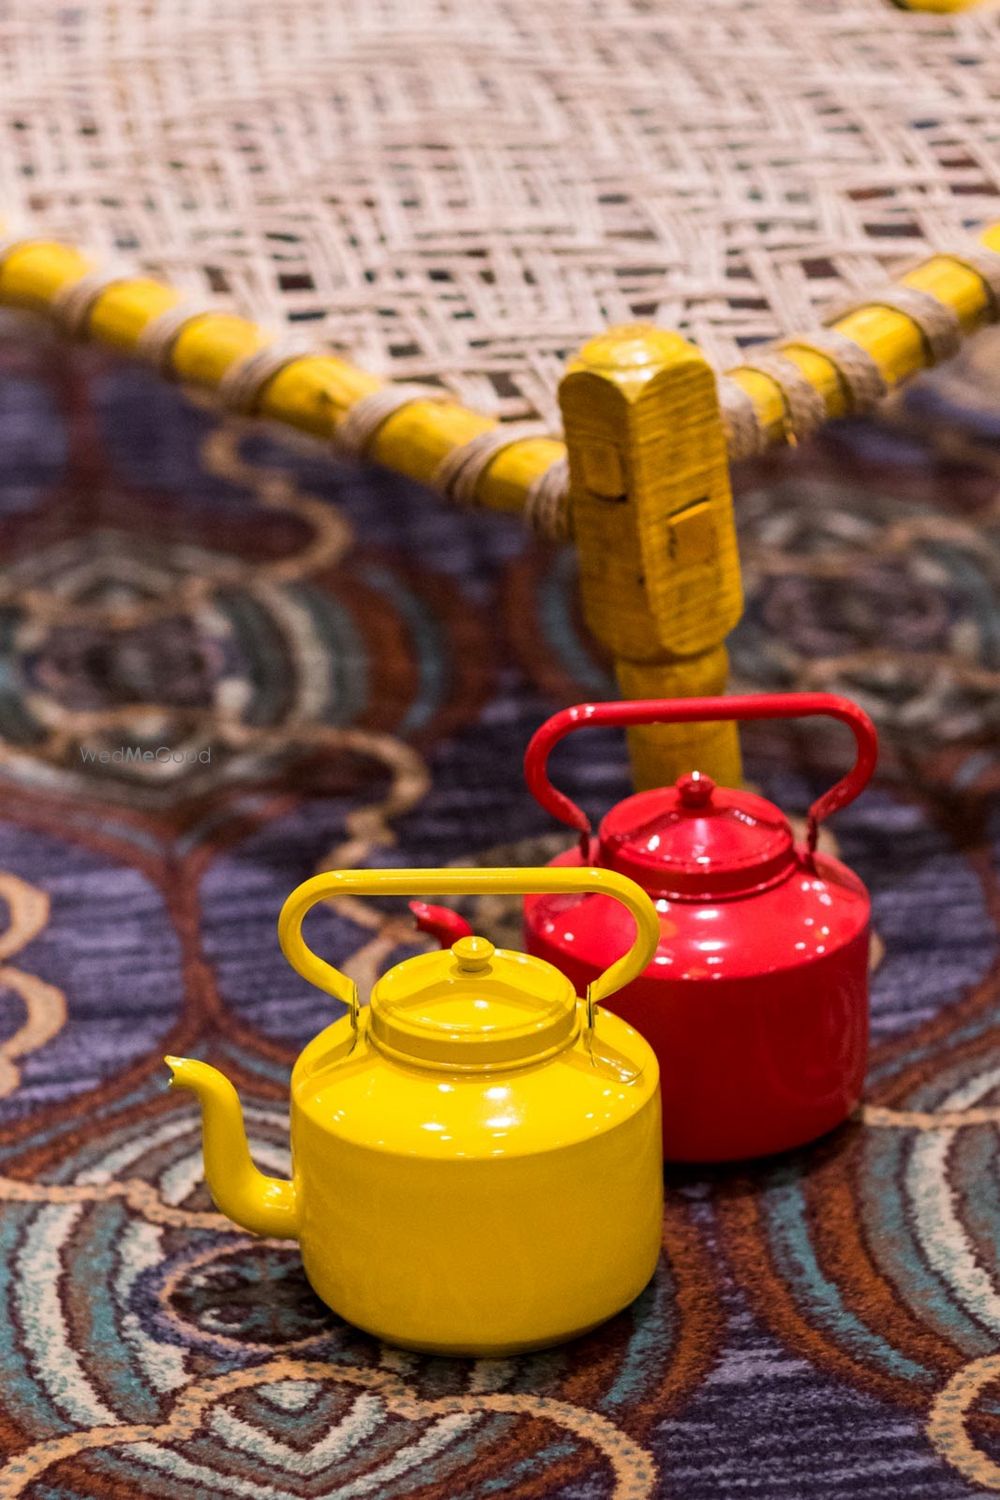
(440, 922)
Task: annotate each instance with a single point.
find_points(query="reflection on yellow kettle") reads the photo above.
(476, 1154)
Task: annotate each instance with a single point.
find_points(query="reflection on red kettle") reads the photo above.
(756, 1002)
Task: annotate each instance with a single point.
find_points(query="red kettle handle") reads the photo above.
(701, 710)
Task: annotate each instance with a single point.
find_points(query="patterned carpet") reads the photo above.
(347, 672)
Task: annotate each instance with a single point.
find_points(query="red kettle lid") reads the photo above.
(696, 840)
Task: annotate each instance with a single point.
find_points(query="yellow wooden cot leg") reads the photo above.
(652, 517)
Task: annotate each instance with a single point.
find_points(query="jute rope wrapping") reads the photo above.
(860, 375)
(241, 385)
(739, 415)
(985, 263)
(458, 475)
(939, 326)
(355, 434)
(157, 340)
(862, 380)
(72, 305)
(546, 509)
(805, 409)
(464, 194)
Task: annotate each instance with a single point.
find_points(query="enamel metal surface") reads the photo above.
(756, 1000)
(757, 1007)
(476, 1154)
(482, 1211)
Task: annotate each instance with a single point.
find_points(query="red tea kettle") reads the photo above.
(756, 1001)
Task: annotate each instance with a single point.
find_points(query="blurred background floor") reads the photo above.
(331, 667)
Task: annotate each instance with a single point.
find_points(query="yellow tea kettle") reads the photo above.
(476, 1155)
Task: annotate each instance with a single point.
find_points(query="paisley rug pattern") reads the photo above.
(315, 664)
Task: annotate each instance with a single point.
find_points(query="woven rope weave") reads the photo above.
(465, 192)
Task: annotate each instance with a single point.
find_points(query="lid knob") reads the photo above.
(473, 954)
(694, 790)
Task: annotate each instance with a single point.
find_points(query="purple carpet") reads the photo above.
(327, 666)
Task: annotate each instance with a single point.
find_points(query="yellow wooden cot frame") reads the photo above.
(649, 493)
(941, 6)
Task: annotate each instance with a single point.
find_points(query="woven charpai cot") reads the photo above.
(465, 192)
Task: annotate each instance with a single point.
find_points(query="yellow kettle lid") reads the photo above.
(472, 1007)
(475, 1006)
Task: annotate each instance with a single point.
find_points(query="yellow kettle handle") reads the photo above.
(456, 882)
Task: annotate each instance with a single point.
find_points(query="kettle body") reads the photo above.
(476, 1153)
(756, 1000)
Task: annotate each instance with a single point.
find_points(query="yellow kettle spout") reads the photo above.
(264, 1205)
